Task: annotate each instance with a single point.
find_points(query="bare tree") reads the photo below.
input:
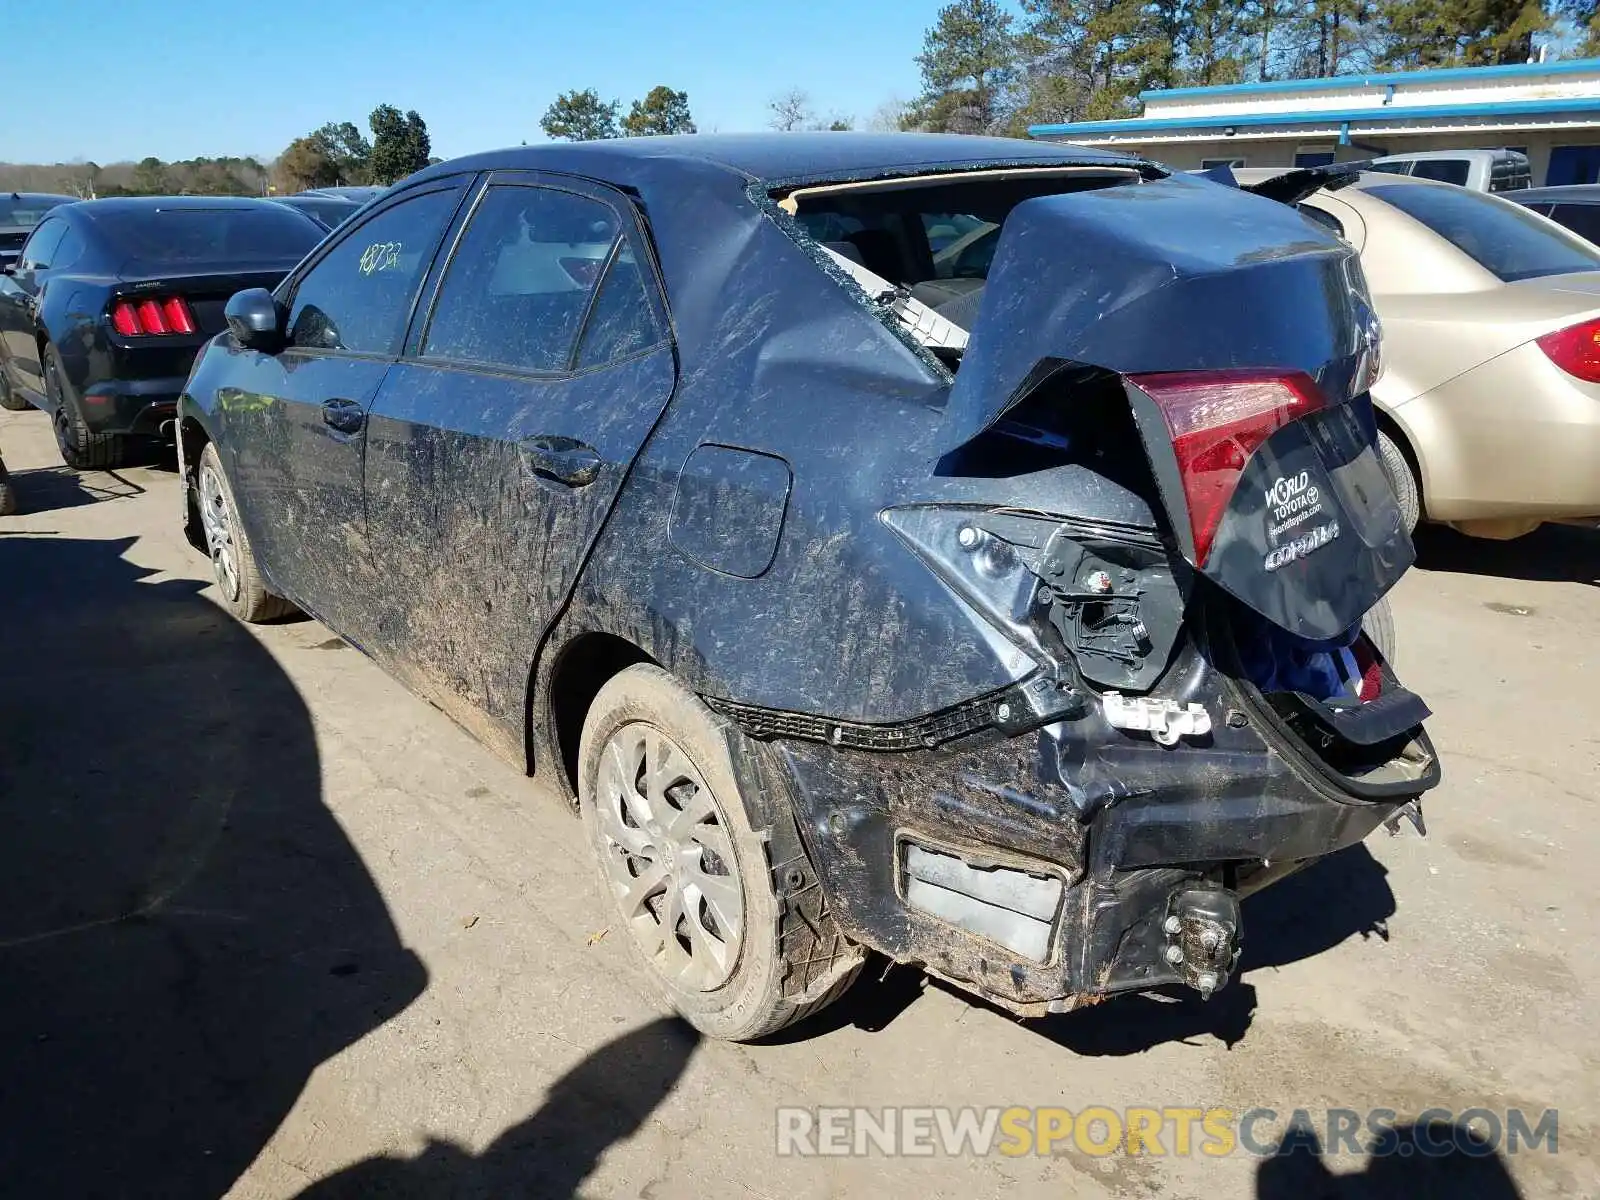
(790, 110)
(889, 117)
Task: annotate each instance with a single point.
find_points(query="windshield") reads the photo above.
(1505, 239)
(26, 212)
(159, 237)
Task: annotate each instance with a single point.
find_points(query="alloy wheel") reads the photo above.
(217, 520)
(668, 858)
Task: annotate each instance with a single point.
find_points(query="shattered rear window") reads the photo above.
(923, 248)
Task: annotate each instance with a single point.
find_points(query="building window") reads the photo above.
(1207, 163)
(1313, 157)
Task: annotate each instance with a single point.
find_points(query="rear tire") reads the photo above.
(10, 398)
(661, 801)
(1402, 479)
(233, 562)
(1378, 625)
(81, 448)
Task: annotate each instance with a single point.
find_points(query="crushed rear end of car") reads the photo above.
(1203, 714)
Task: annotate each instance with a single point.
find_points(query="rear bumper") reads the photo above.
(141, 407)
(1060, 867)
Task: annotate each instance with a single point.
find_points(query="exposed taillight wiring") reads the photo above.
(1216, 420)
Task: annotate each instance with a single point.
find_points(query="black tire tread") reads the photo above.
(81, 449)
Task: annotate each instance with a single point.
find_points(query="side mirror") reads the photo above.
(255, 320)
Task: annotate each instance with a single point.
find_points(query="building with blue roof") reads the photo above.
(1550, 111)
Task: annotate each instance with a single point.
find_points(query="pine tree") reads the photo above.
(967, 59)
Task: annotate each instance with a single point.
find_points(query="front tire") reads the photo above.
(688, 877)
(233, 562)
(81, 448)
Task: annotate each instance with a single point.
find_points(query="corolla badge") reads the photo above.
(1307, 543)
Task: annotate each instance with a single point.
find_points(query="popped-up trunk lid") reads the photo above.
(1188, 286)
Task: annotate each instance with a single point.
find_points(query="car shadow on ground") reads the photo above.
(47, 489)
(1342, 896)
(1436, 1160)
(1551, 553)
(607, 1097)
(186, 932)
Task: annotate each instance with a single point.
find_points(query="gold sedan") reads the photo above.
(1490, 395)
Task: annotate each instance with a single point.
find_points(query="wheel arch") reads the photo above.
(192, 439)
(578, 669)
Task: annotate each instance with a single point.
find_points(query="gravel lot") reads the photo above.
(271, 925)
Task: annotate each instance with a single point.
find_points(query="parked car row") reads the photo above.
(109, 301)
(104, 303)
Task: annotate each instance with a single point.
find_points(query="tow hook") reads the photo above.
(1202, 929)
(1411, 810)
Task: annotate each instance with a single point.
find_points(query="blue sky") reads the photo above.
(118, 80)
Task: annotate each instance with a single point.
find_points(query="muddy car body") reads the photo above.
(999, 642)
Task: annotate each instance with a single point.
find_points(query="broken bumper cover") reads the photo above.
(1054, 869)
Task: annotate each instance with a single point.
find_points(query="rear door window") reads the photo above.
(1504, 238)
(358, 297)
(518, 285)
(622, 321)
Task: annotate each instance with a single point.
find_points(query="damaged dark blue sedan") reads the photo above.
(946, 547)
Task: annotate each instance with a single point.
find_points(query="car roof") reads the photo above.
(117, 204)
(38, 196)
(784, 156)
(1411, 155)
(1572, 193)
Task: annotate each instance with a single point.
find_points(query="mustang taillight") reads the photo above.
(152, 316)
(1216, 420)
(1575, 349)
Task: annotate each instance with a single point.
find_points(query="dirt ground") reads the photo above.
(272, 927)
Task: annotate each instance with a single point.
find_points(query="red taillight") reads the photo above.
(1576, 350)
(124, 320)
(1216, 420)
(152, 316)
(179, 319)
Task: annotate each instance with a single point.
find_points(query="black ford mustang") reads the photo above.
(951, 547)
(109, 301)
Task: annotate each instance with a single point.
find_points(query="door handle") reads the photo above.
(561, 460)
(344, 415)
